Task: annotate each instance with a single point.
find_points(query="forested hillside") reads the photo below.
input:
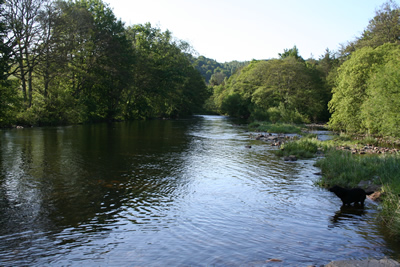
(356, 89)
(287, 89)
(73, 61)
(213, 72)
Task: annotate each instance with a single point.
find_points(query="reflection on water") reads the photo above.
(161, 193)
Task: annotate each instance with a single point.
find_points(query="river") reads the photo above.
(182, 192)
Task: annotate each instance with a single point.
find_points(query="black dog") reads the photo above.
(348, 196)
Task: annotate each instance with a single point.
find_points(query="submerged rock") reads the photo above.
(290, 158)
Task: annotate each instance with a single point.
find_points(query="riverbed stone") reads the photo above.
(369, 186)
(290, 158)
(364, 263)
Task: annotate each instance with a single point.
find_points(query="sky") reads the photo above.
(227, 30)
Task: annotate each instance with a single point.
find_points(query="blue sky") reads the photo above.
(227, 30)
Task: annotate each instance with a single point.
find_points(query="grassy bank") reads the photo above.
(302, 148)
(267, 127)
(345, 169)
(342, 167)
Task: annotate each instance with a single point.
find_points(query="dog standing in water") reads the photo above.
(348, 196)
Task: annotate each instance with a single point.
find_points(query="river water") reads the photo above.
(169, 193)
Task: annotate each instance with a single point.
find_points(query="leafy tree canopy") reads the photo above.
(367, 91)
(214, 72)
(286, 89)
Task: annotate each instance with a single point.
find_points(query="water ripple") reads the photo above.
(180, 193)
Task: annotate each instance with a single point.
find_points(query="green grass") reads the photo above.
(344, 169)
(302, 148)
(268, 127)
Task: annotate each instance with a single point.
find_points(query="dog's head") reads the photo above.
(336, 189)
(339, 191)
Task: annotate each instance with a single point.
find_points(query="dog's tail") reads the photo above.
(369, 193)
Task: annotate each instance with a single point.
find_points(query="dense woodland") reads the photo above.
(66, 62)
(214, 72)
(73, 62)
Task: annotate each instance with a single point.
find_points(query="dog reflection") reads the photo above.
(350, 214)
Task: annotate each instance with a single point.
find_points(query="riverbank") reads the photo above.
(350, 161)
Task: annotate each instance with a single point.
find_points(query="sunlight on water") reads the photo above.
(169, 193)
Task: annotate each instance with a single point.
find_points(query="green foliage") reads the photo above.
(10, 103)
(214, 72)
(381, 109)
(287, 90)
(235, 105)
(383, 28)
(166, 84)
(293, 52)
(89, 68)
(9, 100)
(343, 168)
(302, 148)
(262, 126)
(367, 91)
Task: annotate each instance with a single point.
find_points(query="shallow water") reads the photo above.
(169, 193)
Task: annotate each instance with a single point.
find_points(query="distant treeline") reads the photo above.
(356, 89)
(213, 72)
(66, 62)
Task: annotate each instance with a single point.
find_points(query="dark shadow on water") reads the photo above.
(348, 214)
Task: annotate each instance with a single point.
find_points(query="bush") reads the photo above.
(235, 106)
(282, 114)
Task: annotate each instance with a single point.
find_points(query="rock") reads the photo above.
(364, 263)
(276, 144)
(369, 186)
(290, 158)
(271, 138)
(376, 196)
(364, 184)
(274, 260)
(248, 146)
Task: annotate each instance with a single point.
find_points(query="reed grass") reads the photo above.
(261, 126)
(302, 148)
(347, 170)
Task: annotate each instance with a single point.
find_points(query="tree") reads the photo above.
(165, 82)
(381, 109)
(366, 90)
(286, 89)
(4, 48)
(217, 78)
(293, 52)
(292, 86)
(383, 28)
(25, 36)
(9, 102)
(95, 60)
